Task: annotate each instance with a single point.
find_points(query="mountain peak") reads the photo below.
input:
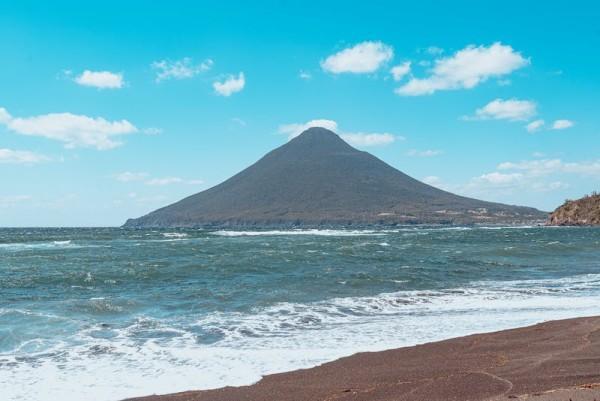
(317, 132)
(320, 139)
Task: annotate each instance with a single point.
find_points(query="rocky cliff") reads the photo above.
(580, 212)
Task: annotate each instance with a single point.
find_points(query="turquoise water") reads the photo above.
(103, 314)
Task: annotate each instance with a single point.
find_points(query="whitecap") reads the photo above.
(175, 235)
(314, 232)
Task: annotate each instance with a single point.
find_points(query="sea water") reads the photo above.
(107, 313)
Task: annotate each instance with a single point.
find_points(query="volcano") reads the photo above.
(317, 179)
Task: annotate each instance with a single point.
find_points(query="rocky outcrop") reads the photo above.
(580, 212)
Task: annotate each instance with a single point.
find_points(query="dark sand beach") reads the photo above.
(552, 361)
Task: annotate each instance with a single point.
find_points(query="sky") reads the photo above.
(109, 111)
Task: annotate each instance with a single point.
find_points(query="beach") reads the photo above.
(557, 360)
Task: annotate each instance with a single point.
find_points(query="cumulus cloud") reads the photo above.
(534, 125)
(179, 69)
(466, 69)
(293, 130)
(129, 176)
(10, 156)
(72, 129)
(362, 58)
(509, 183)
(230, 85)
(541, 175)
(400, 71)
(544, 167)
(100, 79)
(360, 139)
(424, 153)
(562, 124)
(497, 178)
(511, 109)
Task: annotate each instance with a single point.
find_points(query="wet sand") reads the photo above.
(552, 361)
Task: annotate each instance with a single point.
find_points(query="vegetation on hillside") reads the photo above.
(580, 212)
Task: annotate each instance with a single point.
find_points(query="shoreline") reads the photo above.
(552, 361)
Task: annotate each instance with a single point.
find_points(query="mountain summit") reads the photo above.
(318, 179)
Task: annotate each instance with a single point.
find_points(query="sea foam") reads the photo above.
(280, 337)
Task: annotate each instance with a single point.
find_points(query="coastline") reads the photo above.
(556, 360)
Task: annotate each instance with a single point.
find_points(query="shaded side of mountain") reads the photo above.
(580, 212)
(317, 179)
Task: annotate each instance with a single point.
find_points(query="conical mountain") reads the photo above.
(318, 179)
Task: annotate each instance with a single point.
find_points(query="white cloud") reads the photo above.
(307, 76)
(179, 69)
(353, 138)
(497, 178)
(509, 183)
(511, 109)
(432, 180)
(129, 176)
(520, 178)
(5, 117)
(534, 125)
(466, 69)
(172, 180)
(544, 167)
(399, 71)
(10, 156)
(72, 129)
(293, 130)
(164, 181)
(562, 124)
(362, 58)
(424, 153)
(230, 85)
(366, 139)
(100, 79)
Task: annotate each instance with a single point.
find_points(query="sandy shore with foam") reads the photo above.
(552, 361)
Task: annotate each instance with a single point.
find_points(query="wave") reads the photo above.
(22, 246)
(153, 355)
(285, 319)
(175, 235)
(314, 232)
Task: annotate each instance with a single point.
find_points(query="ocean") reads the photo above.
(108, 313)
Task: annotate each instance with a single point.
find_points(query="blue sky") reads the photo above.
(111, 111)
